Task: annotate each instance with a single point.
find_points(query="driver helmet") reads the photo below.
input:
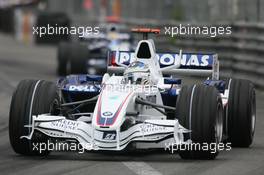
(137, 73)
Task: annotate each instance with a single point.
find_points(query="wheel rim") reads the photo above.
(219, 124)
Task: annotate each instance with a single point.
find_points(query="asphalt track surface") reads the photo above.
(20, 61)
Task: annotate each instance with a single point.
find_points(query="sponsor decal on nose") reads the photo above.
(107, 114)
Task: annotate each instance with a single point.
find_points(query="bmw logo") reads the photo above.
(108, 113)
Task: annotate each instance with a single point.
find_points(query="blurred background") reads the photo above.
(180, 10)
(241, 53)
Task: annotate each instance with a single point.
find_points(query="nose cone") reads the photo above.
(111, 109)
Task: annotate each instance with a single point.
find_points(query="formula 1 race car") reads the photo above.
(89, 54)
(137, 104)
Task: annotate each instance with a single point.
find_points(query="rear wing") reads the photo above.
(198, 64)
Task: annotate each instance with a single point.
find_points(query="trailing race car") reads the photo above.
(89, 54)
(134, 106)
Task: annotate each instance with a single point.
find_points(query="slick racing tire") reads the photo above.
(63, 59)
(241, 112)
(79, 56)
(199, 109)
(30, 98)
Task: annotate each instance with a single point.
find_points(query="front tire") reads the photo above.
(199, 109)
(30, 98)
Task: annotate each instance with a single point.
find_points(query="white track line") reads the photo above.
(141, 168)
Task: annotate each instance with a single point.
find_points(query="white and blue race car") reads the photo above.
(138, 104)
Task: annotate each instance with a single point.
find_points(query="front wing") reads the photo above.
(151, 132)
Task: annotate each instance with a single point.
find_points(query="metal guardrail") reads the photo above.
(241, 54)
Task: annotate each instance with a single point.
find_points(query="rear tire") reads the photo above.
(199, 109)
(241, 112)
(79, 56)
(30, 98)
